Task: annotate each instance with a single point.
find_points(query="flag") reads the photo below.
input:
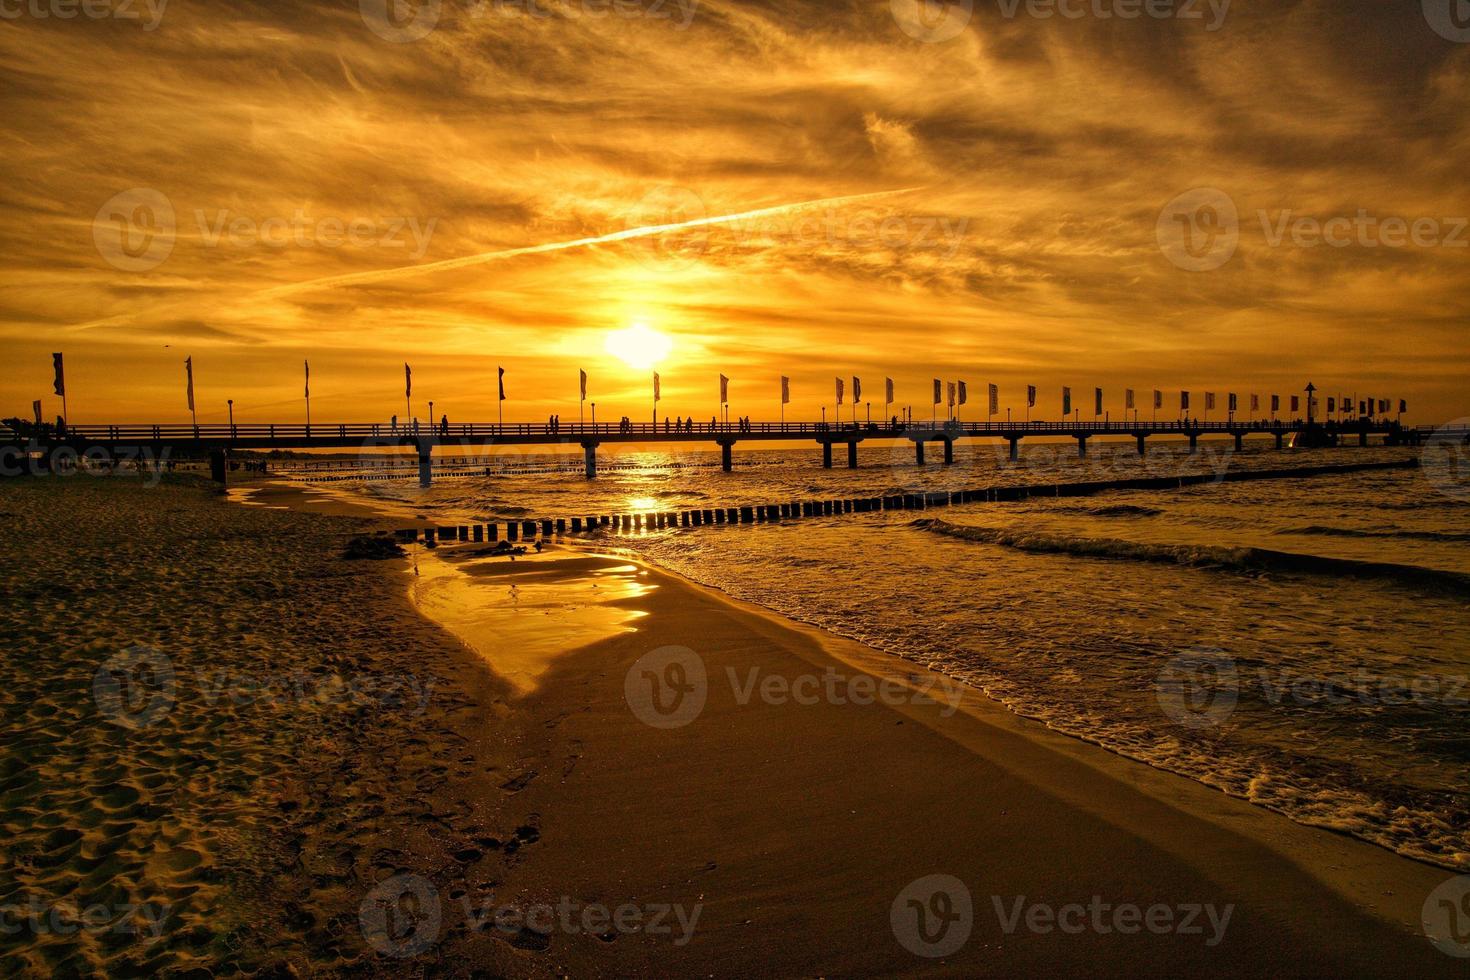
(964, 393)
(1184, 401)
(189, 371)
(657, 392)
(1097, 401)
(951, 394)
(1233, 402)
(1331, 404)
(500, 381)
(724, 390)
(994, 400)
(584, 385)
(1383, 405)
(1255, 403)
(1030, 396)
(1128, 398)
(840, 390)
(1158, 399)
(1209, 400)
(887, 391)
(59, 384)
(1066, 402)
(937, 396)
(1362, 407)
(407, 381)
(1403, 405)
(785, 390)
(1296, 403)
(1275, 404)
(857, 389)
(307, 386)
(36, 407)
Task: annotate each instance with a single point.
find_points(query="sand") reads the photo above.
(794, 827)
(761, 837)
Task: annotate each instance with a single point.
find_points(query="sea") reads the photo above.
(1302, 643)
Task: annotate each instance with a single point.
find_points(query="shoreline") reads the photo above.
(1344, 875)
(1093, 805)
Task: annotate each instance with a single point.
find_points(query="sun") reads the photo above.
(639, 346)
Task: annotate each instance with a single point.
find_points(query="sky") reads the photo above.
(1209, 196)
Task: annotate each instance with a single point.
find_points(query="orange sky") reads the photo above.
(998, 204)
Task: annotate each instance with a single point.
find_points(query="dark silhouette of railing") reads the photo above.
(298, 432)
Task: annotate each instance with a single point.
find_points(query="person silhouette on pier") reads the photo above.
(393, 425)
(444, 425)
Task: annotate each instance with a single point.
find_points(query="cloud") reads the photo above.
(1045, 150)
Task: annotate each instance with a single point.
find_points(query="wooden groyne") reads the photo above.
(652, 521)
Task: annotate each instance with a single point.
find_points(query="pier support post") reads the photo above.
(426, 465)
(589, 458)
(1193, 443)
(852, 455)
(725, 462)
(1142, 448)
(1280, 441)
(1081, 447)
(948, 451)
(1015, 442)
(919, 452)
(217, 465)
(826, 455)
(1362, 438)
(1239, 441)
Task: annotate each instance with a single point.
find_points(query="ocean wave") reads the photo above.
(1244, 560)
(1318, 530)
(1111, 510)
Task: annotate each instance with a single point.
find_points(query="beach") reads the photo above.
(336, 783)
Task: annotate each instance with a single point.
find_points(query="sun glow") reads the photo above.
(639, 346)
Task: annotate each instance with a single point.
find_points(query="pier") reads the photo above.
(218, 440)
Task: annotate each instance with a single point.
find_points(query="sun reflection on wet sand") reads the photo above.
(521, 616)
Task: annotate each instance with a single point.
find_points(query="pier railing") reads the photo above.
(299, 431)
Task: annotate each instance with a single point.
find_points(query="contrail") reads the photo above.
(379, 275)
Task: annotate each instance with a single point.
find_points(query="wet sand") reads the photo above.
(381, 831)
(794, 828)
